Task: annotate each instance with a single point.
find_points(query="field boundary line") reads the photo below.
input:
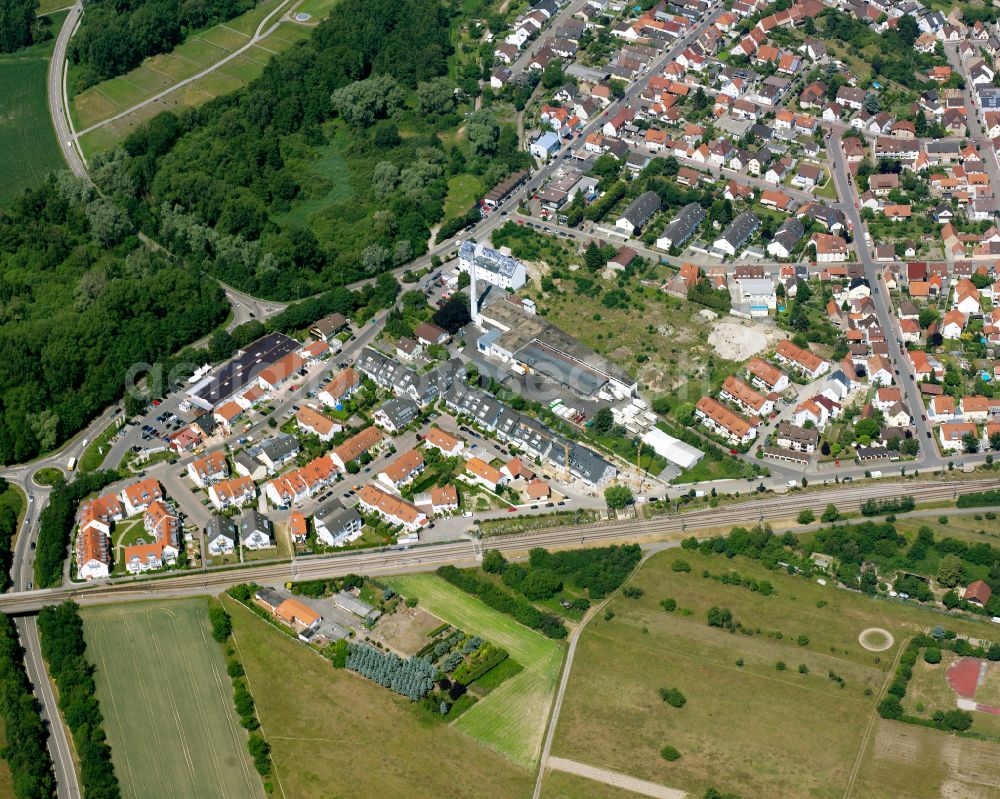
(114, 710)
(193, 677)
(236, 643)
(174, 712)
(574, 637)
(251, 777)
(866, 737)
(616, 779)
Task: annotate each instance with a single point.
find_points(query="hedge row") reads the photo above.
(64, 648)
(979, 499)
(503, 601)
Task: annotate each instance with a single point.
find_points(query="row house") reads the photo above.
(719, 419)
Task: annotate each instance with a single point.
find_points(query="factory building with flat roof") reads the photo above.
(241, 371)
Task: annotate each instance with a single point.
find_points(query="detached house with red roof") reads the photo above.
(139, 496)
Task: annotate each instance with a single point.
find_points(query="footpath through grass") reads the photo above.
(333, 733)
(159, 73)
(28, 147)
(749, 725)
(167, 702)
(512, 718)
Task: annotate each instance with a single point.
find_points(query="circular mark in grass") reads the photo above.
(47, 476)
(302, 17)
(875, 639)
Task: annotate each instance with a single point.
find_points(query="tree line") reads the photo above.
(116, 35)
(18, 25)
(25, 734)
(8, 527)
(548, 624)
(64, 649)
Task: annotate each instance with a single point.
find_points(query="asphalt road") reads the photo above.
(928, 457)
(58, 105)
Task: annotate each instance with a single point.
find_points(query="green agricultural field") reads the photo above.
(160, 72)
(746, 727)
(334, 733)
(167, 702)
(28, 148)
(512, 718)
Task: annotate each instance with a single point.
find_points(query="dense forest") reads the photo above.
(222, 185)
(18, 26)
(64, 649)
(81, 303)
(25, 736)
(116, 35)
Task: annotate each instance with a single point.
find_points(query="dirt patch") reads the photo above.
(875, 639)
(405, 631)
(739, 340)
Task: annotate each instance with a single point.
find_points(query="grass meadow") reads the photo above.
(28, 148)
(335, 734)
(511, 719)
(560, 785)
(159, 73)
(748, 726)
(168, 702)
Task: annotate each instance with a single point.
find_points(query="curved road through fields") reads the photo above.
(58, 105)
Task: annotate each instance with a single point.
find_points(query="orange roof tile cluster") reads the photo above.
(796, 354)
(143, 493)
(481, 469)
(297, 526)
(444, 496)
(764, 371)
(403, 467)
(279, 371)
(733, 423)
(344, 383)
(436, 437)
(234, 489)
(743, 394)
(210, 465)
(315, 474)
(387, 505)
(358, 444)
(319, 423)
(292, 611)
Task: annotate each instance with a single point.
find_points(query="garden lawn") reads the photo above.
(28, 147)
(773, 721)
(168, 702)
(337, 734)
(511, 719)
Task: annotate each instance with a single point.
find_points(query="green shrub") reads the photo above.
(670, 753)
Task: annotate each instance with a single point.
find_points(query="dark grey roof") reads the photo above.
(789, 232)
(400, 411)
(741, 229)
(280, 448)
(685, 224)
(219, 524)
(642, 208)
(336, 518)
(253, 522)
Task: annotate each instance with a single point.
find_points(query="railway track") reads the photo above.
(423, 558)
